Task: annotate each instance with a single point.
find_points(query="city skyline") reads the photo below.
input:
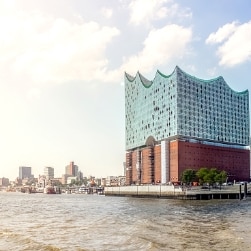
(62, 71)
(25, 172)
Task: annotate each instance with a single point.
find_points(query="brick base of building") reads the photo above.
(144, 164)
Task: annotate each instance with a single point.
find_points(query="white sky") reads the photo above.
(62, 67)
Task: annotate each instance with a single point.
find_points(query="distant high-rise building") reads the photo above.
(71, 169)
(49, 172)
(25, 172)
(4, 181)
(178, 122)
(80, 176)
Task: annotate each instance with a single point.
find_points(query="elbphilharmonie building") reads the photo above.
(178, 121)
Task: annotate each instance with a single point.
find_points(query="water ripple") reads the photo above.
(85, 222)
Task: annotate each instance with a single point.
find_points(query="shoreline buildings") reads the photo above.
(71, 173)
(178, 121)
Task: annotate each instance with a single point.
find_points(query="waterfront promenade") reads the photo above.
(179, 192)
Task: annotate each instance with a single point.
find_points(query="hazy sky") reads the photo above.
(62, 65)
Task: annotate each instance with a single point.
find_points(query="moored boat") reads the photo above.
(49, 190)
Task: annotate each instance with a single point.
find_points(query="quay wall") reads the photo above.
(145, 191)
(176, 192)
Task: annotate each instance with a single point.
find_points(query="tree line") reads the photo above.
(204, 175)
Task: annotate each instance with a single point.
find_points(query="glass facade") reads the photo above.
(185, 106)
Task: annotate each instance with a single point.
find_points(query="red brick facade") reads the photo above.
(134, 170)
(129, 168)
(157, 164)
(236, 162)
(184, 155)
(147, 172)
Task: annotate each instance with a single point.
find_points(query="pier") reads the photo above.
(178, 192)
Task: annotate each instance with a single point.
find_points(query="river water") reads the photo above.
(95, 222)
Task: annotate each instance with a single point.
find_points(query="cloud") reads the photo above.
(40, 49)
(43, 49)
(192, 68)
(33, 93)
(160, 47)
(212, 72)
(222, 34)
(234, 40)
(143, 12)
(107, 12)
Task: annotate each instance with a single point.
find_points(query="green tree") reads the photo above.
(211, 176)
(213, 172)
(221, 177)
(73, 182)
(202, 174)
(188, 176)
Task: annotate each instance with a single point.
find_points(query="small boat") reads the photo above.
(49, 190)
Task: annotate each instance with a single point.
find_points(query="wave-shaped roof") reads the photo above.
(147, 83)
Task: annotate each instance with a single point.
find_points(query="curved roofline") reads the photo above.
(148, 83)
(163, 75)
(129, 77)
(208, 81)
(145, 82)
(200, 79)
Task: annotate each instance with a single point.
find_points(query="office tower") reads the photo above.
(25, 172)
(49, 172)
(178, 121)
(71, 169)
(4, 181)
